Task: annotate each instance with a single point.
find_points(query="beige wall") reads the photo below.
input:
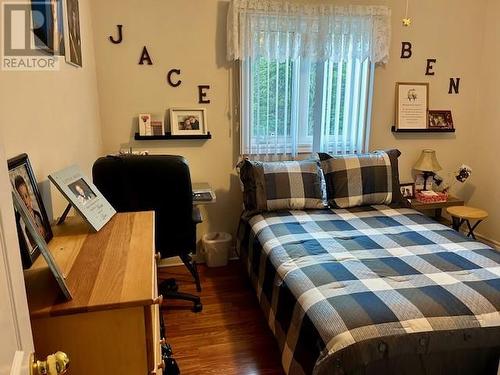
(452, 32)
(485, 141)
(190, 35)
(54, 116)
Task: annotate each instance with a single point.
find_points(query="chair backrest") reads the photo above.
(152, 182)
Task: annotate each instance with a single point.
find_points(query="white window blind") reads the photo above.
(301, 106)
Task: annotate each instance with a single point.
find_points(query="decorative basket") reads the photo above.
(431, 196)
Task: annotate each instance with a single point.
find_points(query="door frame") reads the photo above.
(11, 266)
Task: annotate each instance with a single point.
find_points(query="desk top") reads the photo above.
(113, 268)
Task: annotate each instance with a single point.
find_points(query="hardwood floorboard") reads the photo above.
(230, 336)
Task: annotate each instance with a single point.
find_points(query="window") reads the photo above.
(299, 106)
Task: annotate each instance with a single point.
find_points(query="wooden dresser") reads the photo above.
(112, 324)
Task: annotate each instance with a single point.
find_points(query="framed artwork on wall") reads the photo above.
(48, 26)
(73, 40)
(440, 119)
(187, 121)
(412, 104)
(24, 183)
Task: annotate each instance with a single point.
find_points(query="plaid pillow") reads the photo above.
(286, 185)
(357, 180)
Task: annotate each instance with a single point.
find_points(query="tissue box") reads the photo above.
(428, 196)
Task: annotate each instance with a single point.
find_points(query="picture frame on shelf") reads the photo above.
(407, 190)
(157, 127)
(412, 105)
(440, 119)
(145, 124)
(188, 121)
(24, 183)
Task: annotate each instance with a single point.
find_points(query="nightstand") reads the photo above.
(436, 207)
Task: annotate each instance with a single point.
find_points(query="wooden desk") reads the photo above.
(112, 324)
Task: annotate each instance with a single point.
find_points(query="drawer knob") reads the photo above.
(158, 300)
(158, 257)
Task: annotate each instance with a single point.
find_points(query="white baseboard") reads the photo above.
(488, 241)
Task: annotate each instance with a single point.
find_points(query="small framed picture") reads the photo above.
(412, 104)
(24, 183)
(145, 124)
(184, 121)
(83, 196)
(440, 119)
(408, 190)
(157, 127)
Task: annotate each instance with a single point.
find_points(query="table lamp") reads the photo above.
(427, 163)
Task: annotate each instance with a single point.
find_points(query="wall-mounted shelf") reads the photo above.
(435, 130)
(138, 137)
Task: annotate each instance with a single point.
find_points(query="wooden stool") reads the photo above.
(463, 214)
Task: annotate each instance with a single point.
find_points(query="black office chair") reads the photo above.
(159, 183)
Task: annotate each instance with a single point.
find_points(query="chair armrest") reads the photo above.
(197, 219)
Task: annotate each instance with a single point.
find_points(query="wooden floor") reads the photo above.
(230, 335)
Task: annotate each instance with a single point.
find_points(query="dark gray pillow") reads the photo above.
(285, 185)
(362, 179)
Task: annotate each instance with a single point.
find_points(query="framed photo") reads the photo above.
(440, 119)
(83, 196)
(32, 229)
(72, 37)
(24, 183)
(408, 190)
(185, 121)
(157, 127)
(145, 124)
(412, 104)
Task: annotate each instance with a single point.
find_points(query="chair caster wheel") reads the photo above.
(174, 288)
(197, 307)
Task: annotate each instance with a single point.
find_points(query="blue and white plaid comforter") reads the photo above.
(329, 279)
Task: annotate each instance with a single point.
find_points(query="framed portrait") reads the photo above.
(24, 183)
(185, 121)
(83, 196)
(408, 190)
(32, 229)
(412, 104)
(72, 37)
(440, 119)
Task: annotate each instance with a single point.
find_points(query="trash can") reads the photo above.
(216, 247)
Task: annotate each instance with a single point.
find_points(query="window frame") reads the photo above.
(300, 86)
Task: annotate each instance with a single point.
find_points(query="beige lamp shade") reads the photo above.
(427, 162)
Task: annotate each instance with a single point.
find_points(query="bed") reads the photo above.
(374, 290)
